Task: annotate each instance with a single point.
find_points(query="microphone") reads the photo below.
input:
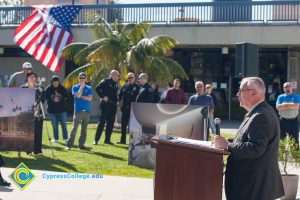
(217, 122)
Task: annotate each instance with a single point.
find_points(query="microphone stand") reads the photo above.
(204, 112)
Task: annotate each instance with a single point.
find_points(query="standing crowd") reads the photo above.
(252, 166)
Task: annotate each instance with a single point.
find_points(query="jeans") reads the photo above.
(211, 124)
(83, 118)
(55, 119)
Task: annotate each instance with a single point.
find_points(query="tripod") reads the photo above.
(40, 104)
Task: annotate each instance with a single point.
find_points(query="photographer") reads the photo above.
(38, 115)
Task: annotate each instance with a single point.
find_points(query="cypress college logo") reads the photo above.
(22, 176)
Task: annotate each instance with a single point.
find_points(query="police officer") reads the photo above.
(146, 91)
(107, 90)
(128, 94)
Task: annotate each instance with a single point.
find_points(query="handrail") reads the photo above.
(175, 13)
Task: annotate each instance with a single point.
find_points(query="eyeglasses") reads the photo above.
(288, 86)
(130, 78)
(244, 90)
(82, 78)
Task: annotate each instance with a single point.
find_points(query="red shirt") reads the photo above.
(175, 96)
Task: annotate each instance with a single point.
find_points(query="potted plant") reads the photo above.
(288, 158)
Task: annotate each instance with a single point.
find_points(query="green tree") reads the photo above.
(126, 48)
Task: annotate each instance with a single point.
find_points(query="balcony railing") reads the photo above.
(176, 13)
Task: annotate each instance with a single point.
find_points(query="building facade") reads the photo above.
(207, 45)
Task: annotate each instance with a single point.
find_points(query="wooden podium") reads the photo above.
(187, 171)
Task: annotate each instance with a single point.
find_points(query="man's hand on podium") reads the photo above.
(220, 142)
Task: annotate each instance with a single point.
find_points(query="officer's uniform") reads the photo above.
(128, 94)
(107, 87)
(145, 95)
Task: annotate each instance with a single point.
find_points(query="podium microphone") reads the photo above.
(217, 122)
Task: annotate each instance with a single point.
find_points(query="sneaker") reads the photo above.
(95, 142)
(66, 141)
(54, 141)
(108, 142)
(38, 154)
(68, 148)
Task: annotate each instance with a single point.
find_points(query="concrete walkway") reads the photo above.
(106, 188)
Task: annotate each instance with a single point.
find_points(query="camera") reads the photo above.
(39, 94)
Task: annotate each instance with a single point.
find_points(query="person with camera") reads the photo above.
(57, 95)
(38, 112)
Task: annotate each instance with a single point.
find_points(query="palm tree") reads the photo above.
(126, 48)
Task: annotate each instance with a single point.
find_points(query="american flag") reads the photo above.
(46, 32)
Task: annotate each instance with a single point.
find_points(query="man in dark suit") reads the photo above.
(252, 171)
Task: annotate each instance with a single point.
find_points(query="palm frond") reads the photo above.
(175, 68)
(89, 69)
(81, 56)
(135, 60)
(108, 52)
(156, 46)
(102, 29)
(70, 51)
(162, 43)
(136, 32)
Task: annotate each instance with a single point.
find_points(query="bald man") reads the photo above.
(107, 90)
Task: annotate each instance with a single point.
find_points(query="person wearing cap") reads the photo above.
(38, 112)
(83, 95)
(146, 92)
(128, 94)
(287, 105)
(107, 90)
(57, 96)
(19, 78)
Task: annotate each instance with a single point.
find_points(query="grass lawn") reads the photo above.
(98, 159)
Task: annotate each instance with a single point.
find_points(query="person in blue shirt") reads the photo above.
(83, 96)
(201, 98)
(287, 105)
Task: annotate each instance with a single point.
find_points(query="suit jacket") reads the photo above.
(252, 171)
